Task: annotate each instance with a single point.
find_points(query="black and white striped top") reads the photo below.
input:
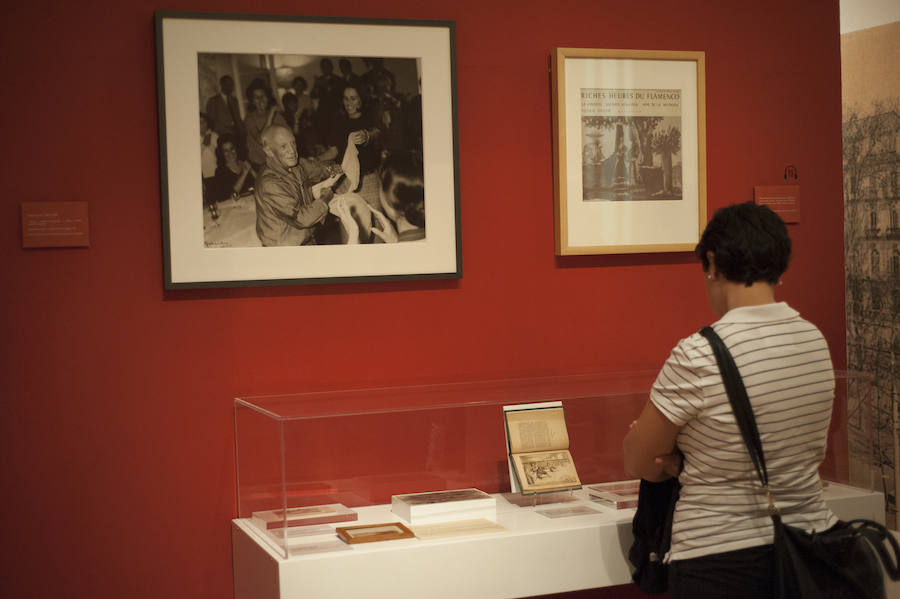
(787, 371)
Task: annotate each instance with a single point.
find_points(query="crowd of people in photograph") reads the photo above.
(385, 128)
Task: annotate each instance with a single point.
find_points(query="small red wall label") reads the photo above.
(55, 224)
(784, 200)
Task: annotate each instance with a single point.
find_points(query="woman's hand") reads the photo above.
(325, 194)
(385, 230)
(670, 462)
(359, 138)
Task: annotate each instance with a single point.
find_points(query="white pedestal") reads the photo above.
(536, 555)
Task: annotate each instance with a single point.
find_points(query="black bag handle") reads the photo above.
(876, 535)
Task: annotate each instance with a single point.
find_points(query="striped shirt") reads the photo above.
(787, 371)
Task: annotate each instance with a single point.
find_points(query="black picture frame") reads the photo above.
(195, 258)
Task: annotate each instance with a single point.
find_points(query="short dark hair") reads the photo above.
(259, 84)
(220, 147)
(749, 243)
(402, 180)
(289, 98)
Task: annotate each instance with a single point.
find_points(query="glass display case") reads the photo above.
(319, 458)
(850, 458)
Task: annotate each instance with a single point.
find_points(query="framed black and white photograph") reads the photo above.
(629, 150)
(327, 149)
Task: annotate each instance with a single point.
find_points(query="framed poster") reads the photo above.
(629, 150)
(328, 149)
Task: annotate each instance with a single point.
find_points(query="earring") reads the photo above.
(709, 277)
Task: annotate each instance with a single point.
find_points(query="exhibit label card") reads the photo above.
(55, 224)
(784, 200)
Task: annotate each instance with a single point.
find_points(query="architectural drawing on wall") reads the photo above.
(871, 132)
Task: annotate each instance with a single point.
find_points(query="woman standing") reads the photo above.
(264, 112)
(721, 533)
(352, 126)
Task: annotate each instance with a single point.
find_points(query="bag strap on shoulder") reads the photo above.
(740, 403)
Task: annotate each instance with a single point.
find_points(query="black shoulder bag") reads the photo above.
(842, 562)
(652, 531)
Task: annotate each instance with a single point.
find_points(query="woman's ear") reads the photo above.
(711, 272)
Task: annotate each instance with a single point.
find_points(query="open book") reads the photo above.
(538, 444)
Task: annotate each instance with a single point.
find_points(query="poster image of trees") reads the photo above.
(631, 144)
(870, 93)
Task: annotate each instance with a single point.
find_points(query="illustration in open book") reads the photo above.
(539, 449)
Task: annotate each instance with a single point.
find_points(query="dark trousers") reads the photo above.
(742, 574)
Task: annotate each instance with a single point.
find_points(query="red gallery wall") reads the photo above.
(117, 441)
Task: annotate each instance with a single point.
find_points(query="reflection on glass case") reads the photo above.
(619, 495)
(307, 461)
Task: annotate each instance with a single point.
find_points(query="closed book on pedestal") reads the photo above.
(440, 506)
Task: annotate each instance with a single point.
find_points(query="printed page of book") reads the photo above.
(542, 429)
(546, 471)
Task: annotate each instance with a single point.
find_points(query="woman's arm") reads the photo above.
(372, 134)
(650, 445)
(239, 184)
(329, 154)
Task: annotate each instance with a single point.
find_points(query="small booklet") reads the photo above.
(303, 516)
(538, 444)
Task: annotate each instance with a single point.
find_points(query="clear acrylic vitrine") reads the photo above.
(359, 447)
